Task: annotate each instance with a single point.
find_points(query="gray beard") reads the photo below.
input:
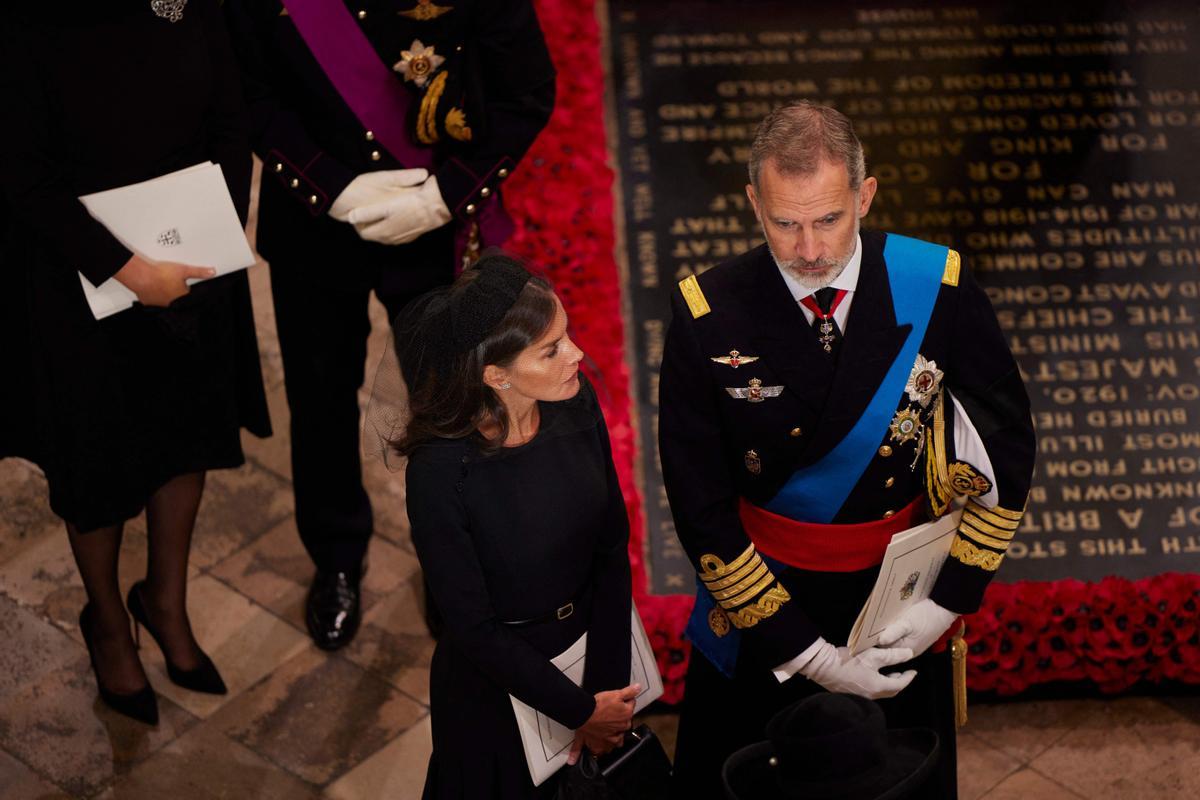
(807, 279)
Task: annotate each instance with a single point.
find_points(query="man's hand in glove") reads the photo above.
(918, 627)
(838, 671)
(403, 216)
(374, 187)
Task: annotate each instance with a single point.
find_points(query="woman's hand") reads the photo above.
(159, 283)
(606, 727)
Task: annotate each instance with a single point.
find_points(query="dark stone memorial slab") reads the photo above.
(1055, 145)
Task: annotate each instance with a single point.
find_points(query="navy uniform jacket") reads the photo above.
(499, 74)
(716, 448)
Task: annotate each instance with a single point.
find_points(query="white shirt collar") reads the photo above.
(848, 280)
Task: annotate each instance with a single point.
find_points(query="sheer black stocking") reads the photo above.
(117, 666)
(170, 519)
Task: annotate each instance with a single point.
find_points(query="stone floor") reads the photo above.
(300, 723)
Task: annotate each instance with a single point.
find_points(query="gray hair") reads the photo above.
(799, 135)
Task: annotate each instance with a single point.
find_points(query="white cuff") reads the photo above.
(790, 668)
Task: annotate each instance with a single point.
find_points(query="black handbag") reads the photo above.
(637, 770)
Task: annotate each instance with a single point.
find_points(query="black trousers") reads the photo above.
(322, 318)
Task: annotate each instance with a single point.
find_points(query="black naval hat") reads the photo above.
(831, 747)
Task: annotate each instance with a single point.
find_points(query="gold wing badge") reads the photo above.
(755, 392)
(425, 10)
(734, 359)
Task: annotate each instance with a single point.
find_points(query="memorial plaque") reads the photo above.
(1056, 146)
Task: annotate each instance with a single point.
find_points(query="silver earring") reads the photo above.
(506, 385)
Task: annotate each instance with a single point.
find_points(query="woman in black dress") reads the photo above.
(126, 413)
(519, 524)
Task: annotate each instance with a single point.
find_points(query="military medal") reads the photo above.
(419, 63)
(753, 462)
(755, 392)
(734, 359)
(825, 329)
(924, 381)
(906, 426)
(425, 10)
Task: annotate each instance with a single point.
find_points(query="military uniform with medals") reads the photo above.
(480, 87)
(765, 434)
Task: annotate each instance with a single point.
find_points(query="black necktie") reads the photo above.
(827, 329)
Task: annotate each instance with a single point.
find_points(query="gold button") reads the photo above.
(470, 209)
(485, 192)
(370, 136)
(376, 155)
(362, 15)
(796, 432)
(278, 167)
(889, 483)
(503, 173)
(313, 199)
(885, 451)
(295, 184)
(888, 514)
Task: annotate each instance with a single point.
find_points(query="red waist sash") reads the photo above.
(826, 548)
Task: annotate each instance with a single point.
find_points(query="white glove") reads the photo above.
(404, 216)
(918, 627)
(374, 187)
(838, 671)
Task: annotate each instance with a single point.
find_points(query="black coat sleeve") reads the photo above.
(38, 172)
(608, 663)
(516, 87)
(983, 375)
(448, 556)
(226, 119)
(704, 502)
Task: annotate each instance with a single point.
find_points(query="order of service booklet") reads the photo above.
(185, 216)
(911, 564)
(547, 743)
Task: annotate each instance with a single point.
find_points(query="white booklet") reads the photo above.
(185, 216)
(547, 743)
(910, 568)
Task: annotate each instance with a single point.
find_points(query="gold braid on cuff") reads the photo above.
(745, 588)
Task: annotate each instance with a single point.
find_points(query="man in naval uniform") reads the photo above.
(386, 129)
(819, 394)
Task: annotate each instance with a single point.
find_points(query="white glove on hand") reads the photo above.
(374, 187)
(918, 627)
(838, 671)
(404, 216)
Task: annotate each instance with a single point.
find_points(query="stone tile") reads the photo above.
(1127, 742)
(385, 485)
(244, 640)
(980, 767)
(319, 716)
(1029, 784)
(25, 515)
(1174, 778)
(19, 782)
(273, 453)
(275, 571)
(204, 764)
(239, 506)
(394, 642)
(32, 647)
(1025, 730)
(59, 727)
(396, 772)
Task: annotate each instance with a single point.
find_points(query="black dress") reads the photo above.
(99, 95)
(514, 536)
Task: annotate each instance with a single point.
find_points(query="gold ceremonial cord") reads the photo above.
(427, 119)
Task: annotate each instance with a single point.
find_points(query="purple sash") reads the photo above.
(375, 95)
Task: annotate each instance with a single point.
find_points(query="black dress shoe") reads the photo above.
(202, 678)
(333, 611)
(141, 705)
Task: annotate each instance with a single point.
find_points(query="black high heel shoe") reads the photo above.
(203, 678)
(141, 705)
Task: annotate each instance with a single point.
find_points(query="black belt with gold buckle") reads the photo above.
(557, 615)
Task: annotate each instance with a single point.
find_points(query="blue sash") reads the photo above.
(816, 493)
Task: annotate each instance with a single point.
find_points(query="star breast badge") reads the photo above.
(924, 381)
(418, 63)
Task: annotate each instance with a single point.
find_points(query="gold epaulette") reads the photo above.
(745, 590)
(984, 535)
(953, 267)
(690, 287)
